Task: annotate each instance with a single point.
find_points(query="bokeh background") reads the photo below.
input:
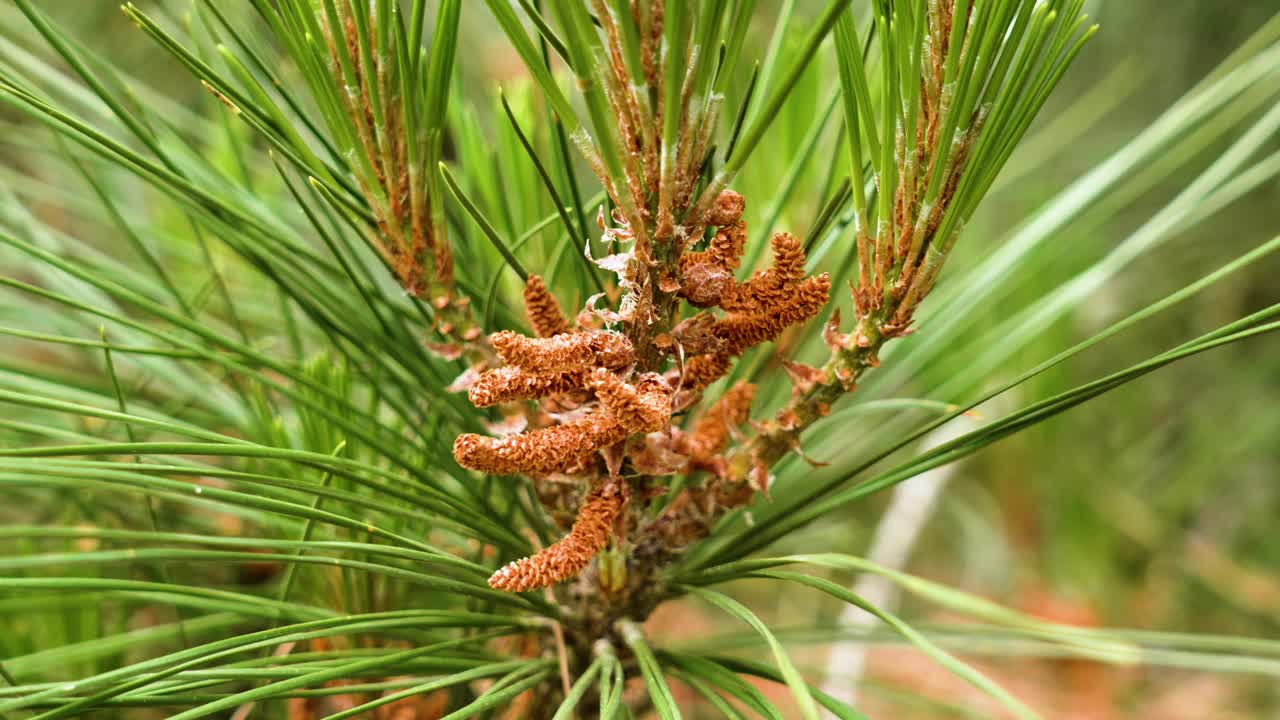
(1156, 507)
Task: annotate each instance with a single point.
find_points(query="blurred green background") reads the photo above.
(1155, 507)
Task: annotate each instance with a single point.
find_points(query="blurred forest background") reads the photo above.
(1152, 508)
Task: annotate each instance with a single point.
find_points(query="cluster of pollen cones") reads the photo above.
(610, 400)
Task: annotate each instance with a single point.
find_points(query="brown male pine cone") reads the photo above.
(569, 556)
(542, 309)
(770, 287)
(741, 331)
(702, 370)
(508, 384)
(539, 452)
(596, 348)
(707, 274)
(723, 251)
(710, 436)
(727, 209)
(644, 408)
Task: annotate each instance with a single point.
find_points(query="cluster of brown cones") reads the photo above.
(757, 310)
(612, 401)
